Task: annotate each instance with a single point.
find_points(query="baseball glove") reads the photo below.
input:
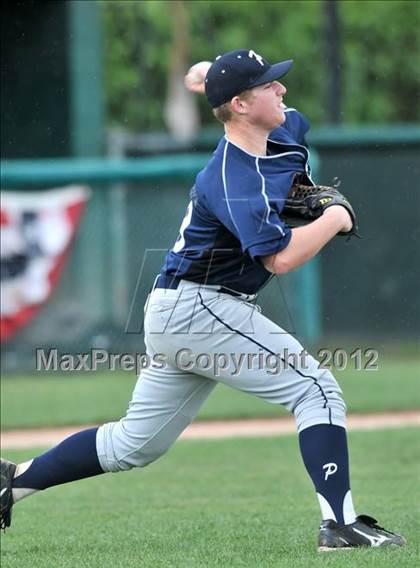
(305, 203)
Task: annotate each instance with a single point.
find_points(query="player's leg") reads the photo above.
(291, 377)
(74, 458)
(230, 341)
(164, 402)
(237, 330)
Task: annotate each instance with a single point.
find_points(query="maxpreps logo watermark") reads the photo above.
(185, 359)
(217, 364)
(96, 360)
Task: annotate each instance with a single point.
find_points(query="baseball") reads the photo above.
(194, 79)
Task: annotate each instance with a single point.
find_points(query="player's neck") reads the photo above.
(247, 137)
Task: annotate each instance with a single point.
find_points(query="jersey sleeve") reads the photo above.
(247, 211)
(257, 225)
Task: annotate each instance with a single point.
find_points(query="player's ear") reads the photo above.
(238, 105)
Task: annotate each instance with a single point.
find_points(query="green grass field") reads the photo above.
(231, 503)
(72, 399)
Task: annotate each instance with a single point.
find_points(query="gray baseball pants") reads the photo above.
(199, 337)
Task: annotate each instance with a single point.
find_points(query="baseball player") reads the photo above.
(201, 314)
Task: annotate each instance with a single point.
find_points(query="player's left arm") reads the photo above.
(306, 242)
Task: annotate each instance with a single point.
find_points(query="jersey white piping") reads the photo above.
(267, 219)
(307, 158)
(225, 188)
(268, 157)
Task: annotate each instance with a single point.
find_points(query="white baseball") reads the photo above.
(194, 79)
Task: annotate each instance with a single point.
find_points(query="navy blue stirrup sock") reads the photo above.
(325, 455)
(74, 458)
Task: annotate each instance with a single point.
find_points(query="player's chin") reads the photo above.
(280, 119)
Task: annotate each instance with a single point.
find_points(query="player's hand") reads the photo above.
(342, 215)
(194, 79)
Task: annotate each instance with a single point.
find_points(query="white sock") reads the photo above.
(349, 513)
(20, 493)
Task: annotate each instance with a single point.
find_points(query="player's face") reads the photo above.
(265, 107)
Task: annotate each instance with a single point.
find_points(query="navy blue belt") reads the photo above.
(172, 283)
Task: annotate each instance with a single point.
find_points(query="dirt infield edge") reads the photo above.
(211, 430)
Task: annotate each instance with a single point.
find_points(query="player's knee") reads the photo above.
(327, 389)
(332, 390)
(321, 402)
(120, 449)
(137, 457)
(142, 457)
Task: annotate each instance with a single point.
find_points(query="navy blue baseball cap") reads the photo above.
(237, 71)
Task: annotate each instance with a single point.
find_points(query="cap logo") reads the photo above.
(252, 54)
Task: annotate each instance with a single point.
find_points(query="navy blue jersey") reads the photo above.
(233, 218)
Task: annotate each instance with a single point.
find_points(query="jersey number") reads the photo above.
(180, 242)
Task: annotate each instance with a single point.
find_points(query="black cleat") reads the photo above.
(7, 473)
(363, 532)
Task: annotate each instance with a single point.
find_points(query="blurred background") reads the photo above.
(92, 98)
